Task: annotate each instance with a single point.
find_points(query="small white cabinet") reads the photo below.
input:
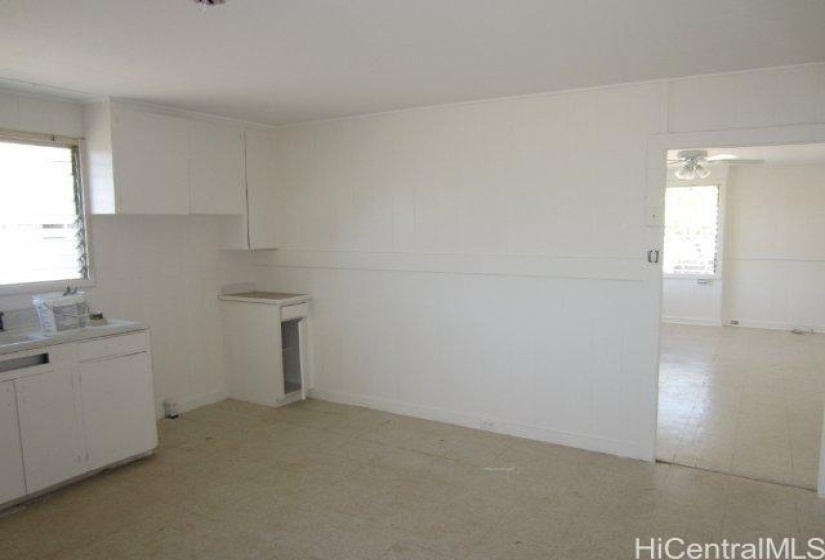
(254, 368)
(266, 350)
(12, 479)
(118, 409)
(53, 449)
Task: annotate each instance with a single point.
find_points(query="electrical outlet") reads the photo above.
(487, 425)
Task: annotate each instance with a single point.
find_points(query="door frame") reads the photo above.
(657, 148)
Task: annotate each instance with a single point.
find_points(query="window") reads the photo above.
(42, 220)
(691, 230)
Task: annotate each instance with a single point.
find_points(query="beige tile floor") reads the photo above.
(742, 401)
(316, 480)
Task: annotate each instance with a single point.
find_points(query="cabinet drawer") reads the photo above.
(294, 311)
(117, 345)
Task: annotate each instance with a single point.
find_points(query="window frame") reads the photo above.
(721, 185)
(77, 145)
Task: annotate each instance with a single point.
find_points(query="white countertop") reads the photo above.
(31, 339)
(271, 298)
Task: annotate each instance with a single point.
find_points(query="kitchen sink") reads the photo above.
(9, 338)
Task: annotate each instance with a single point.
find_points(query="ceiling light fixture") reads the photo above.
(694, 165)
(206, 3)
(692, 170)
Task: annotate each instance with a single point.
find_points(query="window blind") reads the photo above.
(42, 225)
(691, 230)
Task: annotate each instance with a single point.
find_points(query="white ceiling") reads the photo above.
(283, 61)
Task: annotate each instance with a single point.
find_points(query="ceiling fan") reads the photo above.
(695, 164)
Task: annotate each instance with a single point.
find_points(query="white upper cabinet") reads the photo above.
(142, 161)
(216, 169)
(257, 228)
(262, 189)
(150, 162)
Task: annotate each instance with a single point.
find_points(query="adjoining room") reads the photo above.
(743, 349)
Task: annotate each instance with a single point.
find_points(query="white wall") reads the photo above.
(484, 261)
(692, 302)
(164, 271)
(776, 249)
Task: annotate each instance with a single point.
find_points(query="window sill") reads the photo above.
(703, 277)
(44, 287)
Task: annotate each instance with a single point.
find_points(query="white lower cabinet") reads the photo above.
(50, 429)
(265, 347)
(253, 352)
(118, 408)
(71, 409)
(12, 479)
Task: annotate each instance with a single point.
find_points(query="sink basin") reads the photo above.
(7, 339)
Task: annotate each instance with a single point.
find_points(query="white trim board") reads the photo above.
(776, 326)
(622, 269)
(627, 449)
(700, 321)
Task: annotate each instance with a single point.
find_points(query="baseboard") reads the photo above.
(699, 321)
(621, 448)
(777, 326)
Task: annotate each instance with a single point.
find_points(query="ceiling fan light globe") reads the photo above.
(686, 173)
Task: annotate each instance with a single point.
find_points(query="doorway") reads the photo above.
(742, 362)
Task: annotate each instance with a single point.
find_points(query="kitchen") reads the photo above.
(386, 324)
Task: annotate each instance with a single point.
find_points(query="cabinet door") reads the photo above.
(252, 354)
(53, 449)
(262, 189)
(150, 154)
(216, 169)
(118, 408)
(12, 481)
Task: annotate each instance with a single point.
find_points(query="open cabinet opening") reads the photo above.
(291, 355)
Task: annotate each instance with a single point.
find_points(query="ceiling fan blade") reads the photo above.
(741, 161)
(725, 158)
